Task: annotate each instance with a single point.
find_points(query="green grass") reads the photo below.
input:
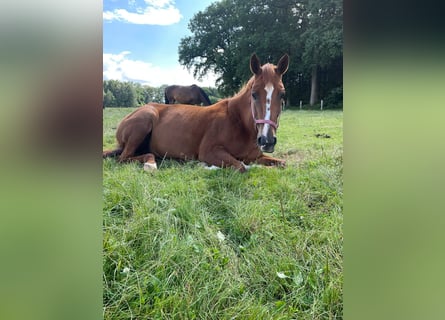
(188, 243)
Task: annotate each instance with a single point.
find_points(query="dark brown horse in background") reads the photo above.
(233, 132)
(186, 95)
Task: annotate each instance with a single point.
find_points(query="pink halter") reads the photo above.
(270, 122)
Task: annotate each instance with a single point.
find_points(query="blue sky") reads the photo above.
(141, 39)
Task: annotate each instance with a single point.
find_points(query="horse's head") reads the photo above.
(267, 97)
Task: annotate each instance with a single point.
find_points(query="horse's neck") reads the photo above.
(239, 108)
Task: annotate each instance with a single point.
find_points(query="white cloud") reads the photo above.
(155, 12)
(120, 67)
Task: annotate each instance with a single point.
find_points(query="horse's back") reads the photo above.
(176, 131)
(181, 128)
(179, 114)
(145, 112)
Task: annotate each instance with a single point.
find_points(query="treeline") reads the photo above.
(132, 94)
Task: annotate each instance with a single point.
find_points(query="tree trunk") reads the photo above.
(314, 86)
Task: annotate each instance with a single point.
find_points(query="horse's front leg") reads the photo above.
(219, 157)
(270, 161)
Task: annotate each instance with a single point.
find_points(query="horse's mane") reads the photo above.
(247, 86)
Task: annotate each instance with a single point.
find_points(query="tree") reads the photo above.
(124, 93)
(227, 32)
(212, 46)
(323, 39)
(109, 99)
(128, 95)
(157, 94)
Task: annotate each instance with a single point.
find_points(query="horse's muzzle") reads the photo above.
(267, 144)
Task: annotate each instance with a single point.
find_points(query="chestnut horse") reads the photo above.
(186, 95)
(233, 132)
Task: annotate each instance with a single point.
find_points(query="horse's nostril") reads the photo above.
(262, 140)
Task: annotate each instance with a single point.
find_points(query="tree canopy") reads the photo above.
(226, 33)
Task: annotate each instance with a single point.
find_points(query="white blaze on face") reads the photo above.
(269, 89)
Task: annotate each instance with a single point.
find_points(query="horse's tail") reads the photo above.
(112, 153)
(205, 97)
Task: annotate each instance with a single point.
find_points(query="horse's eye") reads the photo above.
(282, 95)
(254, 95)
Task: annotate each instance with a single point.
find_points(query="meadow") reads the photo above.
(184, 242)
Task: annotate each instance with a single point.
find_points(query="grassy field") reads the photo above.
(184, 242)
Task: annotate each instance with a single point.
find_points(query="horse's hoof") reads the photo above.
(282, 164)
(150, 166)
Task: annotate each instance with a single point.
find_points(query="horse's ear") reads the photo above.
(283, 64)
(255, 65)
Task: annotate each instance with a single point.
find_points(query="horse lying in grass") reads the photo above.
(233, 132)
